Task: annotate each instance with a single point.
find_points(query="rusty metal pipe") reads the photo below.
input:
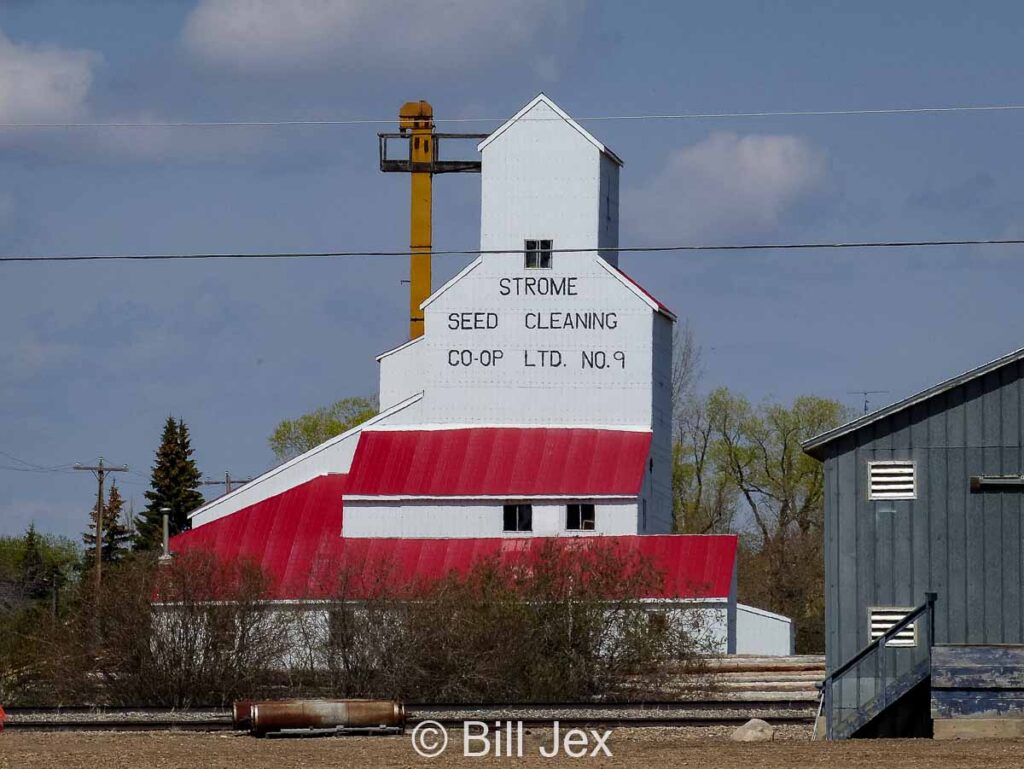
(241, 712)
(324, 714)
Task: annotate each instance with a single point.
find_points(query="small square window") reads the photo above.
(538, 254)
(579, 517)
(518, 517)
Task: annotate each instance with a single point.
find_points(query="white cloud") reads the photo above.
(729, 185)
(43, 83)
(52, 84)
(271, 35)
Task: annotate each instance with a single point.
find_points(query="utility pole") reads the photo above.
(866, 394)
(100, 470)
(226, 483)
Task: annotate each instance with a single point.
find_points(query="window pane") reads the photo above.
(537, 254)
(587, 517)
(572, 517)
(525, 517)
(510, 517)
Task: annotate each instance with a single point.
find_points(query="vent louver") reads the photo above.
(881, 619)
(892, 480)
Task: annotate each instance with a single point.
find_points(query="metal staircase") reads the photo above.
(870, 683)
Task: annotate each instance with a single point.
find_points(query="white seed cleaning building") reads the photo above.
(536, 404)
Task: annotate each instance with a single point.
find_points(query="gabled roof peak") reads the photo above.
(539, 99)
(815, 446)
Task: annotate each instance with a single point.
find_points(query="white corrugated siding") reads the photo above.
(483, 518)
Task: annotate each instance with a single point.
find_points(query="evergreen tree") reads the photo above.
(116, 535)
(174, 484)
(32, 566)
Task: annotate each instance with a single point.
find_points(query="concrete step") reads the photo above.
(751, 664)
(811, 698)
(765, 686)
(809, 677)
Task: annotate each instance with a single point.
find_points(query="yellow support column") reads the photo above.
(418, 119)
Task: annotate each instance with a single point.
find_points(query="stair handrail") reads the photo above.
(926, 608)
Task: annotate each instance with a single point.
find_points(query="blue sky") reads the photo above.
(93, 357)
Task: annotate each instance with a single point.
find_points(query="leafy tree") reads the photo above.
(704, 500)
(116, 534)
(758, 450)
(292, 437)
(705, 497)
(174, 484)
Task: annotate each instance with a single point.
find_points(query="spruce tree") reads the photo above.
(174, 484)
(116, 536)
(31, 566)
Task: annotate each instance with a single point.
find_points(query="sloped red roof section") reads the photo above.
(499, 461)
(296, 538)
(662, 308)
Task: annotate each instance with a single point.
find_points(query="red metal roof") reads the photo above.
(661, 306)
(296, 538)
(499, 461)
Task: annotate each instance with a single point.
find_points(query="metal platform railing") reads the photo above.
(879, 674)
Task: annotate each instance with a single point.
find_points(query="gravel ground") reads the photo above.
(640, 748)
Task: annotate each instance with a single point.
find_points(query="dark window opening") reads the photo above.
(579, 517)
(538, 254)
(518, 517)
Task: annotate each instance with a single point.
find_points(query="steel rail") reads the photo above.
(716, 703)
(450, 715)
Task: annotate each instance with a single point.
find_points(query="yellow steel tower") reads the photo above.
(417, 119)
(416, 124)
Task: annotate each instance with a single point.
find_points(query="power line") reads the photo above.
(591, 118)
(875, 244)
(25, 466)
(34, 470)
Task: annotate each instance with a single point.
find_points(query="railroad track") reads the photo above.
(721, 712)
(117, 725)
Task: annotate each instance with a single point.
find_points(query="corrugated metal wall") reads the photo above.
(964, 546)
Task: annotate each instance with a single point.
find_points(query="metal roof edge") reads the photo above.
(542, 98)
(813, 446)
(457, 277)
(635, 288)
(400, 347)
(482, 497)
(302, 457)
(496, 426)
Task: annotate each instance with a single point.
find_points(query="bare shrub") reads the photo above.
(566, 622)
(194, 631)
